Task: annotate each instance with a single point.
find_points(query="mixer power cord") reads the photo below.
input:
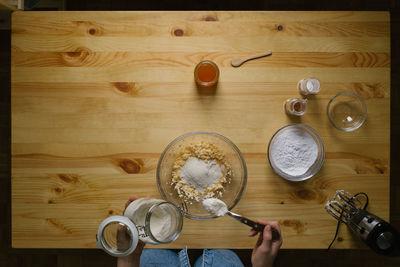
(341, 214)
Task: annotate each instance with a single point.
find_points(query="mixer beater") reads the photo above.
(379, 235)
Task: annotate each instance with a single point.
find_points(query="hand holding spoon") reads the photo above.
(236, 62)
(218, 208)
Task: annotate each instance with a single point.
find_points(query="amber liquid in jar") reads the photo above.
(206, 74)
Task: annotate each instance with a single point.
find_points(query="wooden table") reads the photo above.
(97, 96)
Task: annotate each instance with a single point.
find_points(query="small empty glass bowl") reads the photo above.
(346, 111)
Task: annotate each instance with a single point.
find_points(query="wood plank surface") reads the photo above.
(97, 96)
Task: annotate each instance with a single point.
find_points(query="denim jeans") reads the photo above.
(209, 258)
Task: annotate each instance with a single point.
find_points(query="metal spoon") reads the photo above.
(254, 225)
(236, 62)
(218, 208)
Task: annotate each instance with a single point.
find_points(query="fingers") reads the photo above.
(276, 232)
(267, 237)
(264, 239)
(274, 225)
(122, 238)
(275, 228)
(121, 228)
(252, 232)
(270, 240)
(140, 245)
(276, 245)
(130, 200)
(259, 241)
(272, 236)
(264, 222)
(133, 198)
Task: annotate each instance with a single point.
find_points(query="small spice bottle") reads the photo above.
(309, 86)
(295, 106)
(206, 74)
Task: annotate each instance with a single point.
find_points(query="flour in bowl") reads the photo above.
(200, 172)
(294, 151)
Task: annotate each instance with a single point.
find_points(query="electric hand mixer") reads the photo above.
(379, 235)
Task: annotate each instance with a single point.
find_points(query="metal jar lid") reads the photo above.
(118, 236)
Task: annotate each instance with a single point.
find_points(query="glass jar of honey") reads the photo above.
(206, 74)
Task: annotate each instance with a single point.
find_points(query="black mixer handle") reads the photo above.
(384, 239)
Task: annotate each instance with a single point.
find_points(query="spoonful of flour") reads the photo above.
(215, 206)
(218, 208)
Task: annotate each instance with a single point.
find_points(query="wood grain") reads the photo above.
(199, 44)
(171, 59)
(97, 96)
(118, 28)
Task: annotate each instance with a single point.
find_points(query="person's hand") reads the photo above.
(266, 248)
(123, 239)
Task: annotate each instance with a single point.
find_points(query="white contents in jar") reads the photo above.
(215, 207)
(200, 174)
(294, 151)
(160, 222)
(310, 86)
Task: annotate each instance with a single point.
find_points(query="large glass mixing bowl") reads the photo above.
(232, 191)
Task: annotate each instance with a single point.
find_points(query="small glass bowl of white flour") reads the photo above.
(296, 152)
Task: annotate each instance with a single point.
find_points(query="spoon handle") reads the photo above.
(254, 225)
(259, 55)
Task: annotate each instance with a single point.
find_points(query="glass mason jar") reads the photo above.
(157, 221)
(153, 221)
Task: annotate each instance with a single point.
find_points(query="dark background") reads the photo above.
(78, 258)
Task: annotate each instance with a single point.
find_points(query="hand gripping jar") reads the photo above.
(153, 221)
